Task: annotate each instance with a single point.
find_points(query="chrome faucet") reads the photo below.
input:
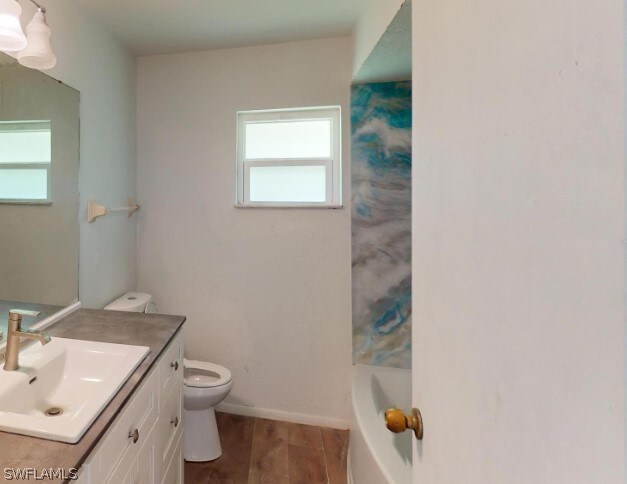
(14, 335)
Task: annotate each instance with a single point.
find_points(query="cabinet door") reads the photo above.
(169, 426)
(136, 466)
(138, 416)
(170, 368)
(144, 468)
(174, 473)
(122, 473)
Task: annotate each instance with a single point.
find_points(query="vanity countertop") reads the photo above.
(152, 330)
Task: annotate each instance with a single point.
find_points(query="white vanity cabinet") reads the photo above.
(144, 443)
(169, 428)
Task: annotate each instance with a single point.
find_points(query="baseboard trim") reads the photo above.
(272, 414)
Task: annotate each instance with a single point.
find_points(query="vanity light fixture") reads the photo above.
(12, 38)
(38, 53)
(33, 49)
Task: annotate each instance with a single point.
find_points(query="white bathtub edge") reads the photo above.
(373, 463)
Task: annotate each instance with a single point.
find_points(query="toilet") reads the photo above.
(205, 386)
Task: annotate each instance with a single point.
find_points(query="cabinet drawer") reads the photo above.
(135, 466)
(174, 471)
(171, 368)
(170, 425)
(139, 415)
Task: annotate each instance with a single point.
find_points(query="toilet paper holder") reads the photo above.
(95, 210)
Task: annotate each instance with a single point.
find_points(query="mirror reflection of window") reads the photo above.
(25, 160)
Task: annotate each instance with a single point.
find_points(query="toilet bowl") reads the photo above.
(205, 386)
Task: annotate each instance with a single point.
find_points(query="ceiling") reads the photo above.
(169, 26)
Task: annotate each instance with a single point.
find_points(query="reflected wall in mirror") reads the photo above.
(39, 165)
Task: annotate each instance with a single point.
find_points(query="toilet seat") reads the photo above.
(202, 374)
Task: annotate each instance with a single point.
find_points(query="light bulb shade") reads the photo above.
(12, 37)
(38, 53)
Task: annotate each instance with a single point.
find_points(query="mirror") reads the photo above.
(39, 163)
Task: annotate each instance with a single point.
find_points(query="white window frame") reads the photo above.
(332, 163)
(29, 126)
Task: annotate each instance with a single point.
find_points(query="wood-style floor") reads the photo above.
(260, 451)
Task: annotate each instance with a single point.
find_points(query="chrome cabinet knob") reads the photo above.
(175, 422)
(175, 365)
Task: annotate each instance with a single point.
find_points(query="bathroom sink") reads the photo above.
(61, 388)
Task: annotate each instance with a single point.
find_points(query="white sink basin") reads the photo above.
(77, 377)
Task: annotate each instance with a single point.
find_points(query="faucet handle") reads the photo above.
(23, 312)
(15, 316)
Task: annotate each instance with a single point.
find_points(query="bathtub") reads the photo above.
(376, 455)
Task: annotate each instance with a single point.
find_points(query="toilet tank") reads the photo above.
(136, 302)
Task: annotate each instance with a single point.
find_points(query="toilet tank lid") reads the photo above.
(131, 301)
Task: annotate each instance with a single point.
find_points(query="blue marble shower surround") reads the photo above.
(381, 223)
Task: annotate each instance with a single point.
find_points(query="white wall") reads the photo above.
(374, 21)
(103, 70)
(266, 292)
(518, 279)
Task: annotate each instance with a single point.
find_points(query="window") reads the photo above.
(289, 158)
(25, 157)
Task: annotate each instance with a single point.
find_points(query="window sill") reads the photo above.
(26, 202)
(307, 206)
